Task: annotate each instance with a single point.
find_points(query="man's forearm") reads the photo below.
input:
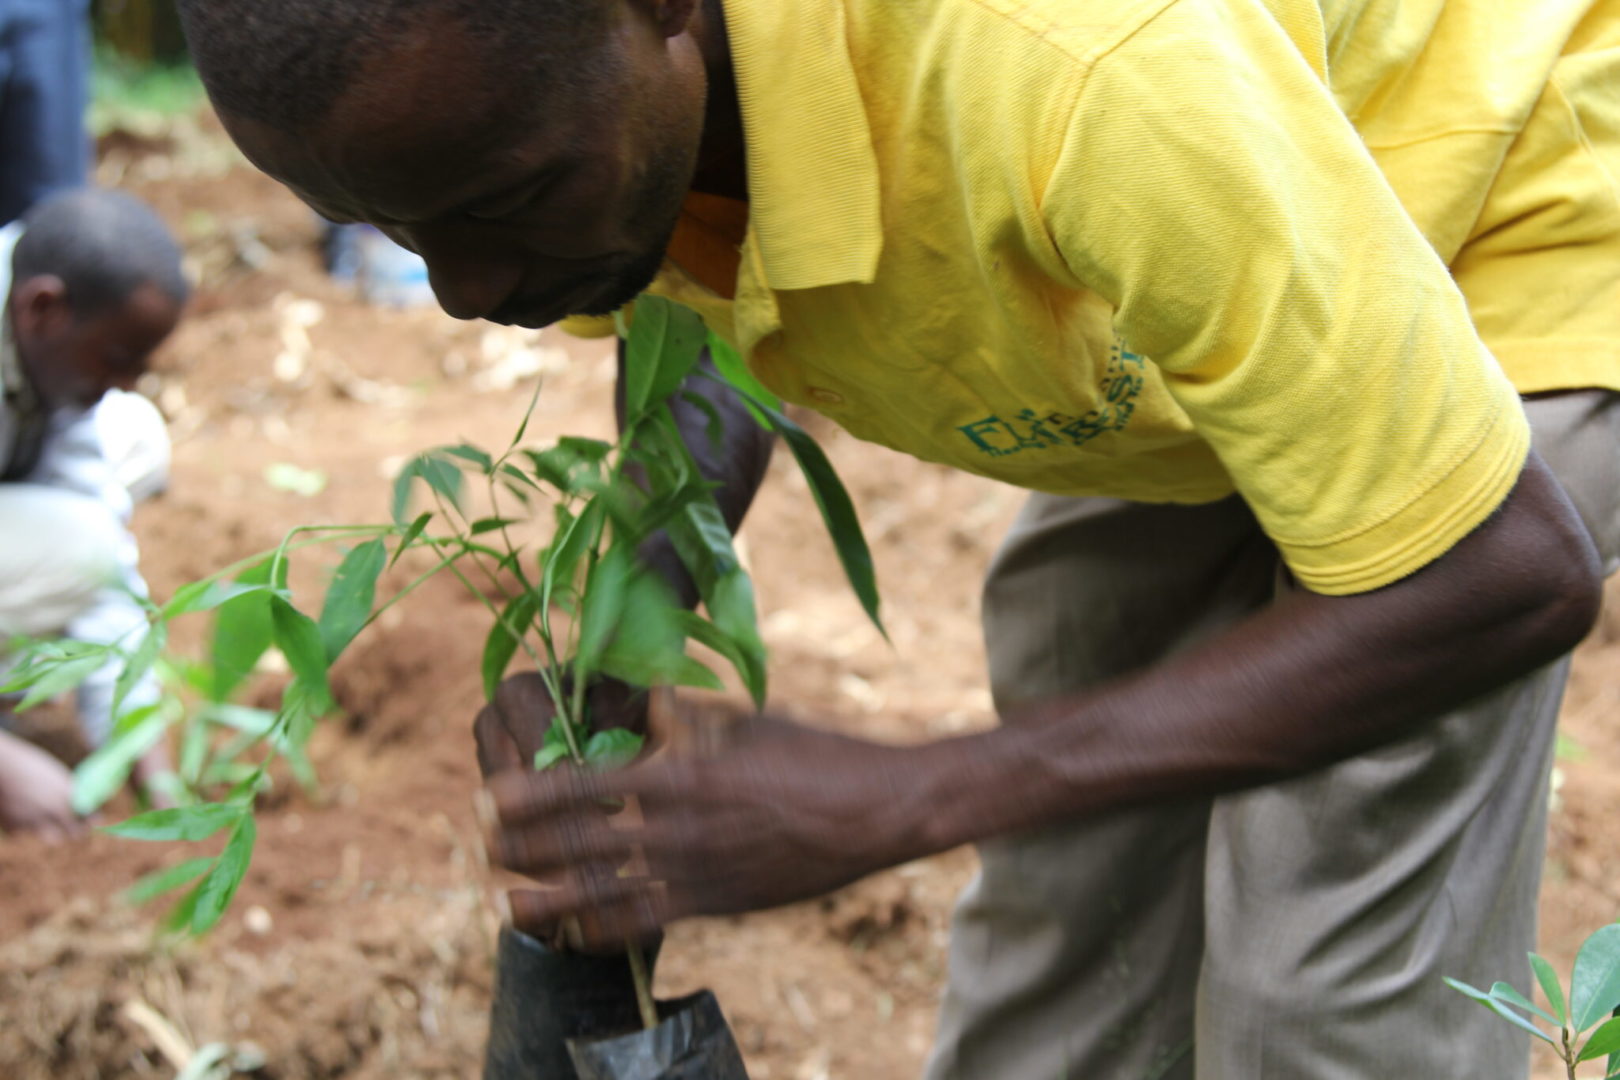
(736, 460)
(1309, 681)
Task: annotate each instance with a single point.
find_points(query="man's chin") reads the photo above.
(626, 286)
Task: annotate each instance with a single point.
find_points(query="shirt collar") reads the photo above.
(813, 192)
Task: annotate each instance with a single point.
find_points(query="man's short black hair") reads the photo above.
(103, 245)
(285, 63)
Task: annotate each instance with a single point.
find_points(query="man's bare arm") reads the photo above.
(1309, 681)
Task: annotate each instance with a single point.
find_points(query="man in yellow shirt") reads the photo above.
(1246, 291)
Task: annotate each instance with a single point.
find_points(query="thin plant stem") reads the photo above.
(639, 976)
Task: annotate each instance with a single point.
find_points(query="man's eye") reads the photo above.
(506, 208)
(514, 200)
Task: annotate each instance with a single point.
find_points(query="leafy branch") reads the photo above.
(582, 608)
(1594, 994)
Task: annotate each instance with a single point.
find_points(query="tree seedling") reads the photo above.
(1594, 993)
(583, 608)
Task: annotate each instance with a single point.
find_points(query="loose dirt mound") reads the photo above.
(360, 945)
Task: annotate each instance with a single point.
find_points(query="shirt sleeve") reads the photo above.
(1212, 191)
(75, 460)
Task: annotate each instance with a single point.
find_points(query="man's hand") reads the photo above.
(36, 792)
(780, 813)
(509, 729)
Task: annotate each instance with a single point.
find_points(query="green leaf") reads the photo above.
(299, 639)
(1503, 992)
(350, 596)
(665, 339)
(1548, 978)
(553, 747)
(185, 823)
(714, 426)
(178, 919)
(242, 632)
(518, 476)
(612, 748)
(1605, 1040)
(443, 477)
(1594, 988)
(471, 453)
(732, 369)
(642, 670)
(562, 465)
(257, 722)
(491, 524)
(837, 511)
(159, 882)
(505, 637)
(731, 606)
(214, 895)
(52, 677)
(560, 559)
(750, 671)
(648, 647)
(207, 595)
(411, 533)
(401, 504)
(1498, 1008)
(704, 545)
(602, 606)
(100, 776)
(139, 663)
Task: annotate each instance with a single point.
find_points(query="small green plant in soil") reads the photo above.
(582, 608)
(1591, 1000)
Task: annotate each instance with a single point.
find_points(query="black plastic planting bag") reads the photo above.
(692, 1043)
(544, 997)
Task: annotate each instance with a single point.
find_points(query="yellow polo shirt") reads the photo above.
(1137, 248)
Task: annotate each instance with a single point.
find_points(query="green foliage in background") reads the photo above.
(141, 97)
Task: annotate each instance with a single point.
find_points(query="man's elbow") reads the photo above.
(1566, 596)
(1549, 570)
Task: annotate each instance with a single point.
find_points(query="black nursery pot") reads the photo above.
(544, 997)
(566, 1016)
(693, 1042)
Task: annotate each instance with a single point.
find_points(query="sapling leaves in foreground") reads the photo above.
(1594, 988)
(1593, 996)
(581, 608)
(350, 596)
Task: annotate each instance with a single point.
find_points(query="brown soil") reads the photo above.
(360, 944)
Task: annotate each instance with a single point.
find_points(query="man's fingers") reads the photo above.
(497, 750)
(520, 796)
(608, 913)
(566, 843)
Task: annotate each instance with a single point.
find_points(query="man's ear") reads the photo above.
(671, 16)
(39, 306)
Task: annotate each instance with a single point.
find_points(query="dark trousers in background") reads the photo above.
(44, 89)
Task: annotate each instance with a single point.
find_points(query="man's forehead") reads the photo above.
(422, 124)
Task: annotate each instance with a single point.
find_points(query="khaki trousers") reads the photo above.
(1291, 932)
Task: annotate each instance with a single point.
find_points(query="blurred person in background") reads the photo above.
(44, 90)
(92, 285)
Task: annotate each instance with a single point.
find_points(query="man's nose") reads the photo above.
(470, 279)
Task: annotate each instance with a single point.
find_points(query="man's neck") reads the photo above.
(722, 166)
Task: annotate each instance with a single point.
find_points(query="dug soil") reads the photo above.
(360, 945)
